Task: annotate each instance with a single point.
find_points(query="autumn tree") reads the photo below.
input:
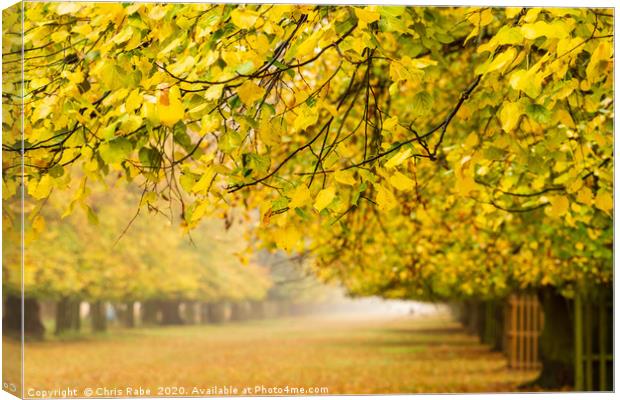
(414, 152)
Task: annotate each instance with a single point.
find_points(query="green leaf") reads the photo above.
(257, 162)
(150, 157)
(181, 137)
(188, 180)
(279, 203)
(301, 213)
(57, 171)
(229, 141)
(280, 65)
(422, 103)
(245, 68)
(538, 113)
(115, 151)
(92, 217)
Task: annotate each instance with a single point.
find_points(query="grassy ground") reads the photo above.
(347, 356)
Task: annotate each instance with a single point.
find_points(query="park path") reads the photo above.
(403, 354)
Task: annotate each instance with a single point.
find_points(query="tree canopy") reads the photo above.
(410, 151)
(107, 258)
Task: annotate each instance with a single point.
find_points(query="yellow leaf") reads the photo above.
(385, 199)
(331, 109)
(38, 224)
(250, 92)
(599, 61)
(309, 44)
(288, 238)
(357, 44)
(474, 32)
(471, 141)
(205, 181)
(345, 177)
(74, 77)
(512, 12)
(157, 12)
(604, 201)
(123, 35)
(185, 64)
(465, 183)
(509, 116)
(134, 100)
(405, 71)
(43, 109)
(585, 196)
(398, 159)
(243, 18)
(150, 112)
(502, 60)
(209, 123)
(421, 63)
(199, 211)
(149, 198)
(365, 16)
(532, 14)
(9, 189)
(481, 17)
(214, 92)
(130, 123)
(527, 81)
(390, 123)
(41, 189)
(268, 132)
(83, 29)
(306, 117)
(565, 118)
(559, 206)
(59, 36)
(554, 30)
(401, 182)
(300, 197)
(67, 8)
(324, 198)
(170, 108)
(261, 44)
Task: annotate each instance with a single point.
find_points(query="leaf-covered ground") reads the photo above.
(383, 355)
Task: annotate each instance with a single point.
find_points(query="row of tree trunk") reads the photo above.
(68, 316)
(556, 341)
(12, 318)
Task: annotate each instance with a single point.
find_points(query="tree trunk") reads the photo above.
(98, 316)
(493, 324)
(12, 320)
(74, 315)
(239, 311)
(170, 314)
(473, 317)
(217, 312)
(130, 319)
(149, 311)
(465, 313)
(190, 313)
(556, 344)
(482, 320)
(204, 313)
(500, 319)
(64, 318)
(33, 327)
(270, 309)
(257, 309)
(284, 308)
(457, 310)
